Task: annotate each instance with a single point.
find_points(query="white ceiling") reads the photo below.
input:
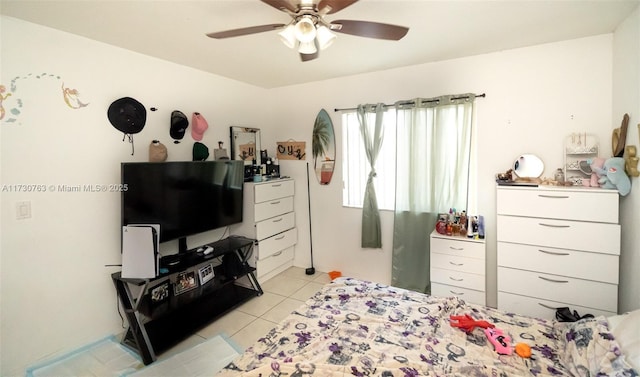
(438, 30)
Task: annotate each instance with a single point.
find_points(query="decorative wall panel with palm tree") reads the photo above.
(324, 148)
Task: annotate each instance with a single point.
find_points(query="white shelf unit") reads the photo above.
(579, 146)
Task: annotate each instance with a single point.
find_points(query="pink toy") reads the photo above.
(501, 343)
(596, 164)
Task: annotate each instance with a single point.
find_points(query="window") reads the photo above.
(355, 170)
(356, 167)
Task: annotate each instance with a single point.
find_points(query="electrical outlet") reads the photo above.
(23, 210)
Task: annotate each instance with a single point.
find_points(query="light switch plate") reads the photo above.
(23, 210)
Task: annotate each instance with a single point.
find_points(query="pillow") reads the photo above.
(626, 330)
(591, 350)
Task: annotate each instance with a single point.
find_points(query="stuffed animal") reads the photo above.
(501, 342)
(614, 176)
(467, 323)
(597, 166)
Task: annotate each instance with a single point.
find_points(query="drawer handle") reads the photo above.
(554, 196)
(456, 248)
(546, 306)
(279, 238)
(552, 252)
(277, 220)
(278, 185)
(454, 279)
(457, 293)
(274, 203)
(457, 264)
(553, 280)
(279, 253)
(555, 226)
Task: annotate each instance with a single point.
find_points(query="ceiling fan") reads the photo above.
(310, 32)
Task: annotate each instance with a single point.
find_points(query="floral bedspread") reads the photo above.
(359, 328)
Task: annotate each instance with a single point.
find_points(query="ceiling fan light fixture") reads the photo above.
(307, 48)
(305, 30)
(288, 37)
(325, 37)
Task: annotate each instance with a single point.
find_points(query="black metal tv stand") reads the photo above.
(164, 310)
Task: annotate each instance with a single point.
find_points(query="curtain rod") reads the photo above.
(412, 102)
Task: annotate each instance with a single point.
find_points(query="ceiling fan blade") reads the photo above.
(335, 5)
(369, 29)
(280, 4)
(244, 31)
(307, 57)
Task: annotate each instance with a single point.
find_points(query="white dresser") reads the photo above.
(269, 217)
(557, 247)
(458, 267)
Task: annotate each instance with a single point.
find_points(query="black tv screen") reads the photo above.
(185, 197)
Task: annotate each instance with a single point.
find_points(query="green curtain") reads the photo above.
(372, 135)
(432, 175)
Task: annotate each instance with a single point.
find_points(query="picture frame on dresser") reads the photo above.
(160, 293)
(185, 281)
(205, 273)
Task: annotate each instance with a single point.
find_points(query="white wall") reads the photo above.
(56, 292)
(626, 99)
(535, 97)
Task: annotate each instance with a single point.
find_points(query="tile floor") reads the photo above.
(244, 325)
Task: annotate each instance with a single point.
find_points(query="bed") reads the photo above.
(359, 328)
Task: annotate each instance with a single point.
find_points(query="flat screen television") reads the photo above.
(184, 197)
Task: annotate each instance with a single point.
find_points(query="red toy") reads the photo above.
(467, 323)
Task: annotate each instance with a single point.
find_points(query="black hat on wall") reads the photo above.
(179, 124)
(128, 116)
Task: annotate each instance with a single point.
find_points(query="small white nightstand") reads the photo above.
(458, 267)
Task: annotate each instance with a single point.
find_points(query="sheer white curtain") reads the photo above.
(433, 158)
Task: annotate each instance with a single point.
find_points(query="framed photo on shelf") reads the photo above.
(185, 281)
(160, 293)
(206, 273)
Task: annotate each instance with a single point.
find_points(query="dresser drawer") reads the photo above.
(564, 289)
(571, 204)
(587, 236)
(577, 264)
(277, 243)
(538, 308)
(458, 247)
(270, 263)
(456, 263)
(273, 208)
(469, 295)
(273, 190)
(458, 279)
(269, 227)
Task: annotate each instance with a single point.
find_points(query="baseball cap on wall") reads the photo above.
(199, 126)
(200, 152)
(179, 124)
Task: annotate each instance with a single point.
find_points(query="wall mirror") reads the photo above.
(528, 166)
(245, 144)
